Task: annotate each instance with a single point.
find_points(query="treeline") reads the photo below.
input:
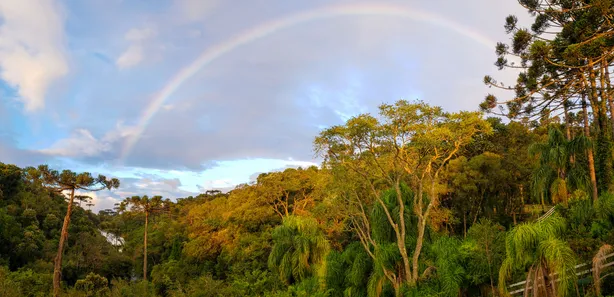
(354, 227)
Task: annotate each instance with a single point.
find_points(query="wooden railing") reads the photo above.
(578, 273)
(579, 266)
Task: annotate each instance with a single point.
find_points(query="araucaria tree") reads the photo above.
(564, 59)
(61, 182)
(410, 144)
(147, 206)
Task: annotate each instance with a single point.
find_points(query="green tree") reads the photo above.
(538, 249)
(8, 287)
(412, 143)
(556, 176)
(486, 245)
(565, 58)
(299, 248)
(478, 186)
(60, 182)
(147, 206)
(93, 285)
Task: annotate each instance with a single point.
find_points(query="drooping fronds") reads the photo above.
(598, 262)
(537, 248)
(560, 259)
(552, 226)
(450, 270)
(505, 271)
(375, 285)
(299, 246)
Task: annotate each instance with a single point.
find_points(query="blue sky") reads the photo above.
(76, 78)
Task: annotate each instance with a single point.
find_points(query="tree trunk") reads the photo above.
(568, 129)
(591, 160)
(57, 268)
(423, 217)
(543, 202)
(145, 247)
(419, 243)
(604, 147)
(401, 240)
(609, 94)
(488, 258)
(597, 105)
(464, 224)
(397, 289)
(567, 121)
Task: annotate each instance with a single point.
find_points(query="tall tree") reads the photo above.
(147, 206)
(60, 182)
(564, 56)
(411, 144)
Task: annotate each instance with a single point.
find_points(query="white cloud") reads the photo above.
(131, 57)
(192, 10)
(218, 183)
(32, 54)
(83, 144)
(100, 200)
(134, 54)
(140, 34)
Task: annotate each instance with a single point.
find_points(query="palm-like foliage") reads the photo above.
(449, 264)
(299, 246)
(348, 273)
(537, 248)
(556, 175)
(598, 266)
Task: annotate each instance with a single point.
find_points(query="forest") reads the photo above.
(513, 199)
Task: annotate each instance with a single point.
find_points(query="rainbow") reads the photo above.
(261, 31)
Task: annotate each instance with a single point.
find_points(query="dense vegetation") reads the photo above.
(412, 201)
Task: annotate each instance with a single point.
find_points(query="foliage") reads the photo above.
(537, 248)
(299, 247)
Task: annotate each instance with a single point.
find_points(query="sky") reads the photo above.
(176, 97)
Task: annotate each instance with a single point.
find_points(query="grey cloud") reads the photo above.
(259, 100)
(20, 157)
(269, 98)
(11, 154)
(151, 185)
